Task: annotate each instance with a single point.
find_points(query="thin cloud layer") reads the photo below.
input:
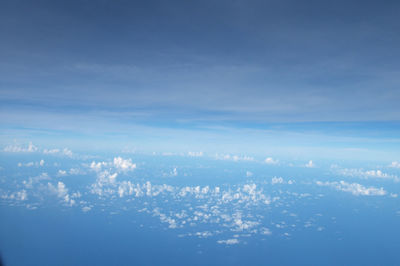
(354, 188)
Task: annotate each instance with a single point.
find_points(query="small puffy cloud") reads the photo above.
(18, 148)
(377, 173)
(75, 171)
(62, 192)
(106, 175)
(30, 164)
(124, 165)
(395, 164)
(195, 154)
(18, 195)
(277, 180)
(310, 164)
(249, 174)
(65, 151)
(354, 188)
(86, 209)
(235, 158)
(52, 151)
(270, 160)
(360, 173)
(26, 164)
(174, 172)
(120, 164)
(60, 189)
(97, 166)
(231, 241)
(61, 173)
(265, 231)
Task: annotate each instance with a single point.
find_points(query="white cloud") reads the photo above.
(354, 188)
(118, 163)
(30, 164)
(249, 174)
(174, 172)
(65, 151)
(97, 166)
(18, 148)
(195, 154)
(106, 175)
(75, 171)
(395, 164)
(265, 231)
(52, 151)
(310, 164)
(60, 189)
(61, 173)
(231, 241)
(277, 180)
(124, 165)
(270, 160)
(18, 195)
(86, 209)
(360, 173)
(62, 192)
(235, 158)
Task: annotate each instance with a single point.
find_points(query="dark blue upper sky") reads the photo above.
(208, 62)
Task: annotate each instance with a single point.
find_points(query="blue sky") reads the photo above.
(279, 77)
(199, 132)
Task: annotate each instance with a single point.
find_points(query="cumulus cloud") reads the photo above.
(97, 166)
(75, 171)
(86, 209)
(51, 151)
(231, 241)
(265, 231)
(249, 174)
(360, 173)
(195, 154)
(61, 173)
(277, 180)
(354, 188)
(18, 148)
(67, 152)
(174, 172)
(17, 195)
(235, 158)
(395, 164)
(119, 164)
(270, 160)
(30, 164)
(62, 192)
(124, 165)
(310, 164)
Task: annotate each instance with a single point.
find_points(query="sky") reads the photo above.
(228, 76)
(199, 132)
